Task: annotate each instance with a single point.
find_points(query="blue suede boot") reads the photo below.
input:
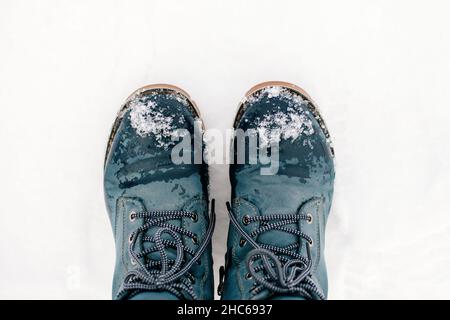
(158, 209)
(276, 236)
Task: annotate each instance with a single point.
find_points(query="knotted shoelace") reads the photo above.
(278, 269)
(164, 274)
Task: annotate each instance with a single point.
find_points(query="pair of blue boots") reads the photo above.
(162, 216)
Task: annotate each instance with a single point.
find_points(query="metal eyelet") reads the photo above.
(242, 242)
(132, 216)
(130, 238)
(246, 220)
(194, 217)
(195, 239)
(248, 276)
(310, 218)
(311, 243)
(133, 262)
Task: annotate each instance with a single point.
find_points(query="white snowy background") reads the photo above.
(379, 70)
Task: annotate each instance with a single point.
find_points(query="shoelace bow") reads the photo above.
(278, 269)
(165, 274)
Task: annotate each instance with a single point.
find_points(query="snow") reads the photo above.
(290, 125)
(147, 120)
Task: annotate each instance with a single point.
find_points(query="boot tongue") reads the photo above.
(154, 295)
(170, 252)
(285, 201)
(277, 237)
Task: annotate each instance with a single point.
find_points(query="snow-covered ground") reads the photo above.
(379, 70)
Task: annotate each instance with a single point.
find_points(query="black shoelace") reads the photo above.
(164, 274)
(281, 270)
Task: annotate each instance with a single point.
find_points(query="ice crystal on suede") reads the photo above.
(290, 124)
(148, 120)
